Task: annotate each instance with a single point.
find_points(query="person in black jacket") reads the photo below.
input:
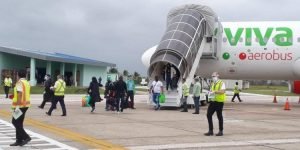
(121, 90)
(109, 95)
(93, 90)
(48, 93)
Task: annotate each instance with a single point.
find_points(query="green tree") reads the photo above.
(136, 77)
(125, 73)
(113, 70)
(136, 74)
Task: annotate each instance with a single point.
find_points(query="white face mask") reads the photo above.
(215, 79)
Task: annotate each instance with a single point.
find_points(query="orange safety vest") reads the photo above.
(25, 99)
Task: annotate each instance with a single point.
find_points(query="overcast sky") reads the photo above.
(115, 31)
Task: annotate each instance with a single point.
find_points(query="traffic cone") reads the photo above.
(275, 99)
(287, 105)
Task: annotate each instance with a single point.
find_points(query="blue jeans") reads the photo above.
(155, 99)
(197, 104)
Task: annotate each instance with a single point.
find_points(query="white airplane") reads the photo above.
(196, 43)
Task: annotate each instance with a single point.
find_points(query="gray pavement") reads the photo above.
(256, 123)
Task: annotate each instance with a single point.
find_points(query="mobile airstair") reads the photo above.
(193, 33)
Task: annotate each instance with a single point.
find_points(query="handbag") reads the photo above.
(162, 98)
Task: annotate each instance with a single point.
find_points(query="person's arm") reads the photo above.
(19, 87)
(55, 86)
(195, 89)
(125, 86)
(222, 90)
(162, 87)
(89, 88)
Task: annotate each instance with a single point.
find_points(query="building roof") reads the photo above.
(57, 57)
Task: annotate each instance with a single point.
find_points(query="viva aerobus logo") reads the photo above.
(272, 56)
(265, 56)
(280, 36)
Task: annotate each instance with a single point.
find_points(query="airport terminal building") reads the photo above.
(77, 71)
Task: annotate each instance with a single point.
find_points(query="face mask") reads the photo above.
(215, 79)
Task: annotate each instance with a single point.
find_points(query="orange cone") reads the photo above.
(275, 100)
(287, 105)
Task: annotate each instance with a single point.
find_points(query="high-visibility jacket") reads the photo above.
(236, 90)
(25, 98)
(216, 87)
(7, 82)
(60, 88)
(185, 90)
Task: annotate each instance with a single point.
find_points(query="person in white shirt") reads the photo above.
(156, 89)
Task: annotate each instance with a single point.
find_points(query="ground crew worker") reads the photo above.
(7, 85)
(216, 104)
(59, 92)
(236, 92)
(196, 95)
(185, 94)
(130, 92)
(21, 102)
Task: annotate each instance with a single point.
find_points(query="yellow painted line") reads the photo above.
(86, 140)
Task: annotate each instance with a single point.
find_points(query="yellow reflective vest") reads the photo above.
(236, 90)
(60, 88)
(216, 87)
(25, 99)
(7, 82)
(185, 90)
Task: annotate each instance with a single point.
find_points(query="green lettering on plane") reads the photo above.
(283, 36)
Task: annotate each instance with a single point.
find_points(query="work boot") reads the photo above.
(25, 141)
(209, 133)
(15, 144)
(93, 108)
(220, 133)
(48, 114)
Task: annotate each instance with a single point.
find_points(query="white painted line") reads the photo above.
(55, 149)
(8, 131)
(6, 137)
(38, 137)
(215, 144)
(47, 144)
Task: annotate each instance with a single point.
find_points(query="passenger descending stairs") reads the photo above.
(173, 97)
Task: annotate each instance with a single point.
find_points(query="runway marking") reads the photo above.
(215, 144)
(38, 141)
(87, 140)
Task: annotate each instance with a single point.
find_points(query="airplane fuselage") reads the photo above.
(257, 50)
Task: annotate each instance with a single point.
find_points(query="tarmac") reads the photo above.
(255, 123)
